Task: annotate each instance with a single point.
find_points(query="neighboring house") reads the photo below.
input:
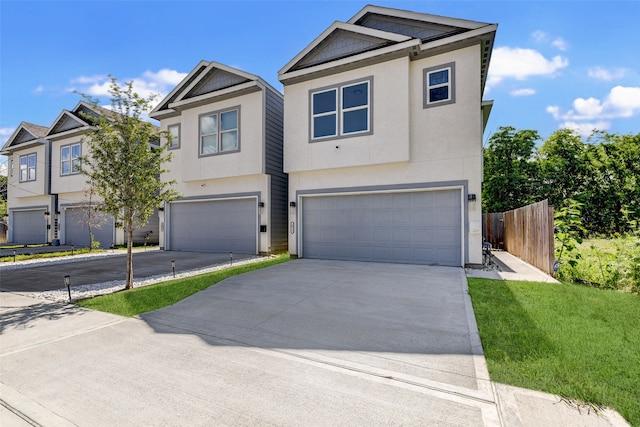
(28, 196)
(48, 197)
(227, 162)
(383, 139)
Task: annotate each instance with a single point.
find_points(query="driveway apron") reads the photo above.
(308, 342)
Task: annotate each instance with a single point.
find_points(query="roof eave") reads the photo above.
(376, 55)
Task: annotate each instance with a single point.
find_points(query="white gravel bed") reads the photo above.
(88, 291)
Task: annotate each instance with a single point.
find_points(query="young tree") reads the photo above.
(92, 217)
(125, 161)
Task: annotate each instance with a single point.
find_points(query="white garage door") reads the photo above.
(76, 230)
(410, 227)
(214, 226)
(29, 227)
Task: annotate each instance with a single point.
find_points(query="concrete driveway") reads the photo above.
(308, 342)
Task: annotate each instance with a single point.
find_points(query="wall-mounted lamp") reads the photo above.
(471, 197)
(161, 208)
(261, 204)
(292, 204)
(46, 215)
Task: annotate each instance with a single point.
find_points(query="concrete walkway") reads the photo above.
(303, 343)
(505, 266)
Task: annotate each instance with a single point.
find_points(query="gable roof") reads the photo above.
(378, 33)
(207, 82)
(26, 135)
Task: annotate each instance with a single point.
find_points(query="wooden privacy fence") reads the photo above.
(528, 234)
(493, 229)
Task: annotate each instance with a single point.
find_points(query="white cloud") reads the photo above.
(560, 44)
(158, 83)
(38, 90)
(5, 133)
(586, 128)
(605, 74)
(523, 92)
(592, 113)
(520, 64)
(540, 36)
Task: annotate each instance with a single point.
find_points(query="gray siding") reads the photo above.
(274, 137)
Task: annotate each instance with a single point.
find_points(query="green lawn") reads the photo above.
(149, 298)
(574, 341)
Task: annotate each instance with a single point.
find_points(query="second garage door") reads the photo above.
(407, 227)
(214, 226)
(76, 231)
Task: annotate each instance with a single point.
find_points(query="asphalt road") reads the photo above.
(85, 271)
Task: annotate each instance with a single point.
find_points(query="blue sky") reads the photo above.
(555, 64)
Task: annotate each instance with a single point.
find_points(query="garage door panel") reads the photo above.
(416, 227)
(29, 226)
(214, 226)
(76, 231)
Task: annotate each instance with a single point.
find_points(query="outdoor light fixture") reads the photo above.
(14, 255)
(292, 204)
(173, 267)
(261, 204)
(46, 215)
(67, 282)
(471, 197)
(72, 247)
(231, 258)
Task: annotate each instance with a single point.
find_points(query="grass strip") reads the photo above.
(573, 341)
(25, 257)
(141, 300)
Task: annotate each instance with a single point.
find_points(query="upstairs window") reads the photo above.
(28, 167)
(174, 130)
(220, 132)
(70, 159)
(439, 85)
(341, 111)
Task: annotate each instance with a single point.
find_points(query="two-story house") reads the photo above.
(49, 199)
(226, 127)
(384, 120)
(28, 182)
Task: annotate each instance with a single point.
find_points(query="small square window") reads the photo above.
(439, 85)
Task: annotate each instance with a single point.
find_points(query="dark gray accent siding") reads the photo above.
(274, 137)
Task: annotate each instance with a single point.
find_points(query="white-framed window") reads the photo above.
(70, 159)
(439, 85)
(174, 130)
(28, 167)
(220, 132)
(341, 111)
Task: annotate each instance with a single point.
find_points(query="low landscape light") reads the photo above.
(173, 267)
(67, 282)
(231, 258)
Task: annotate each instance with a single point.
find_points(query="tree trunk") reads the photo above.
(129, 281)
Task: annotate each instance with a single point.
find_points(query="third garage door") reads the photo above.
(214, 226)
(407, 227)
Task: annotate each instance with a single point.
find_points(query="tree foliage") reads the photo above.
(601, 173)
(125, 161)
(510, 170)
